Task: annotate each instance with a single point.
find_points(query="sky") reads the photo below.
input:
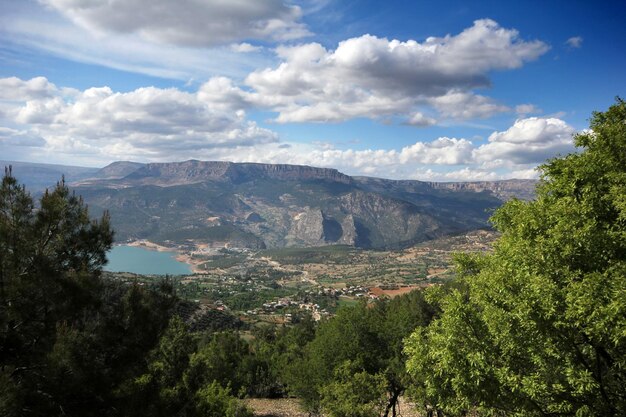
(436, 91)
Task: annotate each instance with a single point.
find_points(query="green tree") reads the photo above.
(69, 340)
(184, 380)
(50, 261)
(221, 360)
(161, 391)
(354, 393)
(346, 337)
(539, 327)
(369, 338)
(215, 401)
(267, 367)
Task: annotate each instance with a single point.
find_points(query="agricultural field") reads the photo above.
(279, 285)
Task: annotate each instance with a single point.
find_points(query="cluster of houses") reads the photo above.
(274, 307)
(350, 290)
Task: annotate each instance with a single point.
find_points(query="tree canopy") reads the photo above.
(73, 343)
(354, 366)
(539, 325)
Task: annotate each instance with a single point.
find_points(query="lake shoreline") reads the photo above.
(148, 258)
(177, 254)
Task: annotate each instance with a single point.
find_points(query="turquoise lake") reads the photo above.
(143, 261)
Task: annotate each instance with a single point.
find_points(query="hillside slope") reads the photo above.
(265, 205)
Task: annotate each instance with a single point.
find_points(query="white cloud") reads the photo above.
(464, 105)
(30, 28)
(441, 151)
(364, 77)
(524, 174)
(154, 124)
(420, 120)
(528, 141)
(144, 122)
(575, 42)
(187, 22)
(12, 137)
(375, 77)
(13, 88)
(512, 153)
(464, 174)
(472, 174)
(245, 48)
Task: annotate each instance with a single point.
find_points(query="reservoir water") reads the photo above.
(143, 261)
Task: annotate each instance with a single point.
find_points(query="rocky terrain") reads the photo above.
(264, 206)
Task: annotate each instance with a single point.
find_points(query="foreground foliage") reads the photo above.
(72, 343)
(540, 327)
(354, 367)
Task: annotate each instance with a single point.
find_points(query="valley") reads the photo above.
(276, 286)
(269, 243)
(291, 208)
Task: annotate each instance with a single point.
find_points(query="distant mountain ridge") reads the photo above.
(275, 205)
(117, 170)
(503, 189)
(37, 177)
(193, 171)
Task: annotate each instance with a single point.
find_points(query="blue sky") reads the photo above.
(400, 89)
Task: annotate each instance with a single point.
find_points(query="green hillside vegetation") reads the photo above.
(72, 343)
(539, 326)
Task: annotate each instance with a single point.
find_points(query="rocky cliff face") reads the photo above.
(307, 228)
(348, 231)
(190, 172)
(506, 189)
(263, 205)
(389, 222)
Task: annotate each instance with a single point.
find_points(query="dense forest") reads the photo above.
(537, 327)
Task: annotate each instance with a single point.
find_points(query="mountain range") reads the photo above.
(275, 205)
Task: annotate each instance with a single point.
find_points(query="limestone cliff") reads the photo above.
(264, 205)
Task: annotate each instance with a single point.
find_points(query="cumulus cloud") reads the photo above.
(12, 137)
(512, 153)
(159, 124)
(146, 121)
(363, 77)
(528, 141)
(575, 42)
(464, 174)
(420, 120)
(14, 88)
(245, 48)
(464, 105)
(373, 77)
(187, 22)
(473, 174)
(441, 151)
